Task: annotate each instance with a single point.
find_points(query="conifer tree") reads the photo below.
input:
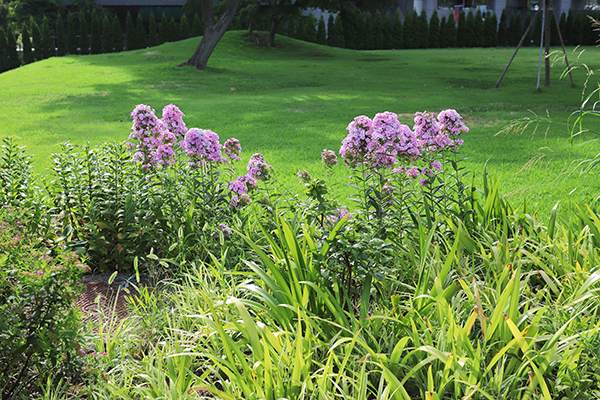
(578, 29)
(477, 30)
(140, 33)
(368, 41)
(12, 56)
(197, 26)
(377, 30)
(321, 34)
(515, 29)
(408, 31)
(130, 32)
(462, 39)
(423, 28)
(331, 31)
(108, 42)
(502, 29)
(397, 30)
(84, 41)
(61, 38)
(338, 32)
(590, 35)
(387, 40)
(310, 28)
(117, 34)
(554, 31)
(300, 29)
(27, 53)
(563, 25)
(434, 30)
(569, 37)
(47, 45)
(36, 39)
(173, 30)
(528, 40)
(184, 28)
(290, 28)
(451, 31)
(536, 31)
(349, 34)
(490, 30)
(472, 41)
(444, 32)
(152, 34)
(71, 34)
(3, 51)
(96, 39)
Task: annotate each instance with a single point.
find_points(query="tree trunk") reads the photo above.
(274, 25)
(213, 32)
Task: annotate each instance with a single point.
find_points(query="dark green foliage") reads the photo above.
(490, 31)
(96, 42)
(589, 36)
(12, 56)
(462, 39)
(310, 28)
(349, 32)
(117, 34)
(197, 27)
(470, 27)
(191, 8)
(338, 32)
(36, 39)
(529, 39)
(423, 30)
(290, 28)
(140, 33)
(444, 32)
(300, 29)
(331, 31)
(152, 34)
(563, 26)
(477, 30)
(554, 30)
(184, 28)
(25, 39)
(3, 51)
(84, 41)
(368, 36)
(502, 29)
(451, 32)
(515, 29)
(321, 34)
(71, 34)
(163, 29)
(408, 31)
(434, 30)
(130, 32)
(578, 25)
(61, 37)
(173, 31)
(387, 30)
(47, 44)
(397, 31)
(377, 31)
(569, 38)
(537, 31)
(108, 41)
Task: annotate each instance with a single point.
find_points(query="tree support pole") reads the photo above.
(537, 87)
(562, 43)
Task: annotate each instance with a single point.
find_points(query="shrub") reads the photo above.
(397, 31)
(39, 327)
(423, 30)
(197, 26)
(321, 34)
(36, 37)
(152, 33)
(117, 34)
(130, 35)
(184, 28)
(96, 40)
(61, 37)
(377, 29)
(108, 41)
(388, 32)
(434, 30)
(310, 28)
(26, 40)
(462, 39)
(47, 44)
(84, 40)
(490, 28)
(140, 33)
(71, 34)
(502, 29)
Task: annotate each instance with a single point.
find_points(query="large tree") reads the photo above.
(213, 32)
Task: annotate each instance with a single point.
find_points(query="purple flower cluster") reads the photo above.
(232, 148)
(201, 146)
(258, 168)
(222, 229)
(304, 176)
(243, 184)
(240, 201)
(329, 158)
(173, 121)
(383, 141)
(148, 131)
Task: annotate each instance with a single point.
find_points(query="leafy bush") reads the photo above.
(39, 327)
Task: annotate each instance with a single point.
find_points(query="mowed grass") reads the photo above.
(292, 101)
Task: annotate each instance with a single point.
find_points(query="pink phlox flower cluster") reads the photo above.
(202, 145)
(172, 119)
(232, 148)
(436, 165)
(240, 201)
(148, 131)
(249, 181)
(431, 137)
(238, 187)
(335, 218)
(451, 121)
(304, 176)
(329, 158)
(413, 172)
(39, 272)
(380, 142)
(258, 168)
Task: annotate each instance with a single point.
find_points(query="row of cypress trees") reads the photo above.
(365, 31)
(86, 34)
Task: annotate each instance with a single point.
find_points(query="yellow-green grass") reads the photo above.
(292, 101)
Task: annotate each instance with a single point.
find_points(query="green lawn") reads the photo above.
(293, 101)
